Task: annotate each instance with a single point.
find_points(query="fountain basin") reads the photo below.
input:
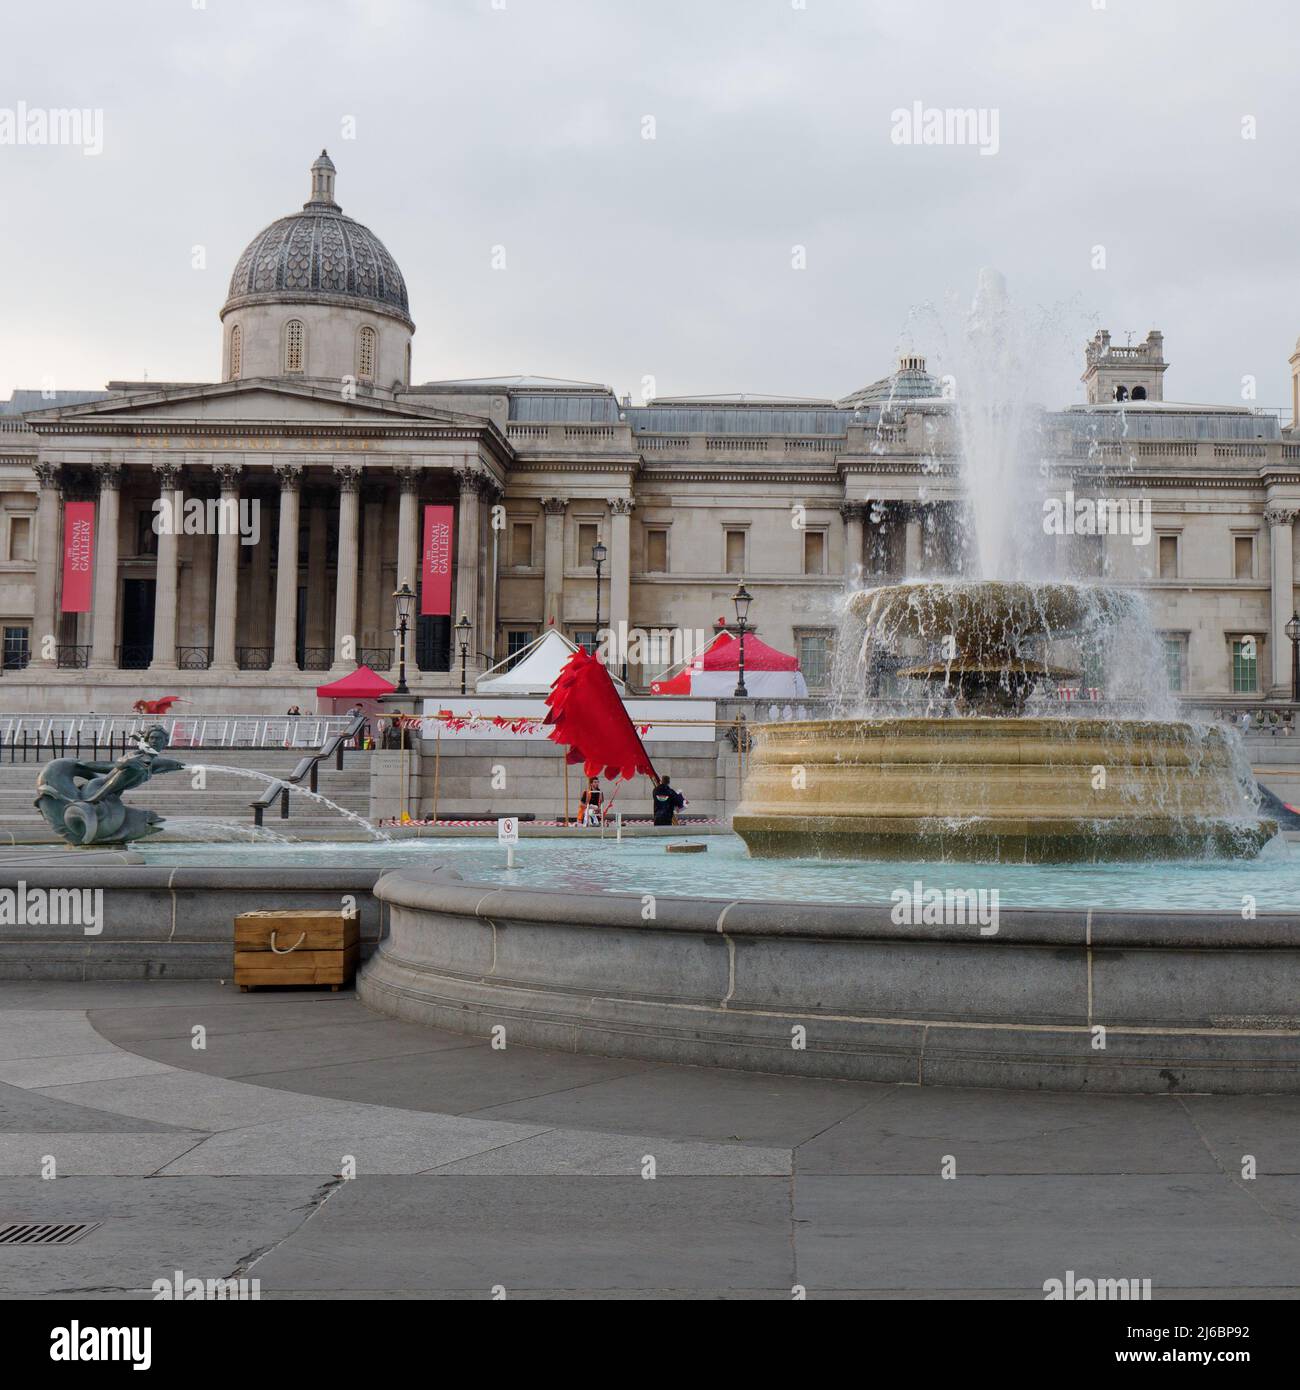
(1020, 790)
(1065, 1000)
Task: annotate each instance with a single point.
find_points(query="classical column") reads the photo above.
(472, 483)
(914, 548)
(348, 478)
(44, 617)
(286, 574)
(620, 577)
(553, 582)
(168, 474)
(371, 605)
(408, 531)
(104, 639)
(1281, 523)
(224, 657)
(317, 539)
(202, 555)
(855, 517)
(260, 618)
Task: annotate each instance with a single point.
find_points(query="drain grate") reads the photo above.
(44, 1232)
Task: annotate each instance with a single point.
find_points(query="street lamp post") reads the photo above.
(405, 599)
(741, 598)
(463, 630)
(1292, 630)
(598, 554)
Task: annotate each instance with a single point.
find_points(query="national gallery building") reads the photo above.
(316, 438)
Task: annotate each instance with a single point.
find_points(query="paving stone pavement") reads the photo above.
(556, 1175)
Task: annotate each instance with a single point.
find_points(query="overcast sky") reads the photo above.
(520, 124)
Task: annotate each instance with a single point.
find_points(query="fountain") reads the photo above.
(985, 776)
(82, 801)
(993, 766)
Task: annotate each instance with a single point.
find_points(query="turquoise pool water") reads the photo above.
(725, 871)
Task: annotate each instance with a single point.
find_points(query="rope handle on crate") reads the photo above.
(287, 949)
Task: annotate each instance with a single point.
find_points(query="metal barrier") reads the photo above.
(308, 767)
(54, 735)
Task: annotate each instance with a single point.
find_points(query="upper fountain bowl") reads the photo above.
(986, 615)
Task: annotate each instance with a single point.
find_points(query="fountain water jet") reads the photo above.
(995, 769)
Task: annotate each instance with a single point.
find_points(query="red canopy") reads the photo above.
(680, 684)
(724, 656)
(364, 684)
(592, 722)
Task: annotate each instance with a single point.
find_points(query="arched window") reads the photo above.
(293, 345)
(366, 354)
(1121, 393)
(1139, 393)
(236, 352)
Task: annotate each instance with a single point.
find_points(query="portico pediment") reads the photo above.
(269, 400)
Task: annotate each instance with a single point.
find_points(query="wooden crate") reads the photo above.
(296, 947)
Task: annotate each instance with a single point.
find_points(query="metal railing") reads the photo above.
(29, 735)
(307, 767)
(193, 658)
(70, 658)
(254, 658)
(316, 659)
(377, 658)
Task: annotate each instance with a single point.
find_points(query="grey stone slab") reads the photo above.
(893, 1232)
(1278, 1195)
(24, 1111)
(189, 1099)
(915, 1128)
(591, 1154)
(150, 1228)
(28, 1033)
(1267, 1128)
(377, 1139)
(276, 1050)
(434, 1233)
(36, 1072)
(223, 1011)
(142, 995)
(454, 1080)
(699, 1103)
(76, 1155)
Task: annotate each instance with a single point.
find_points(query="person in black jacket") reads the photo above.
(666, 802)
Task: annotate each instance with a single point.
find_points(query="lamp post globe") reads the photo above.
(463, 630)
(742, 598)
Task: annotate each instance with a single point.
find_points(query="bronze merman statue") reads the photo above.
(82, 801)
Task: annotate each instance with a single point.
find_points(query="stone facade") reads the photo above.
(689, 496)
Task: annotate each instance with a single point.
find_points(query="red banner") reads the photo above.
(78, 555)
(435, 561)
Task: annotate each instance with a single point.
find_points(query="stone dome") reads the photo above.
(319, 256)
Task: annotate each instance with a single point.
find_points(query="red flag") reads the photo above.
(435, 562)
(590, 720)
(78, 555)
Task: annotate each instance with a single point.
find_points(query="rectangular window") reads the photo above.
(814, 552)
(735, 552)
(516, 640)
(17, 648)
(1176, 663)
(814, 658)
(656, 552)
(1243, 557)
(1168, 557)
(588, 535)
(1245, 666)
(586, 639)
(146, 540)
(521, 544)
(20, 538)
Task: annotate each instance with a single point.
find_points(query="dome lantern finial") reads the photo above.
(322, 183)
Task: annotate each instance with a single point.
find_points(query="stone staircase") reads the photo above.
(226, 796)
